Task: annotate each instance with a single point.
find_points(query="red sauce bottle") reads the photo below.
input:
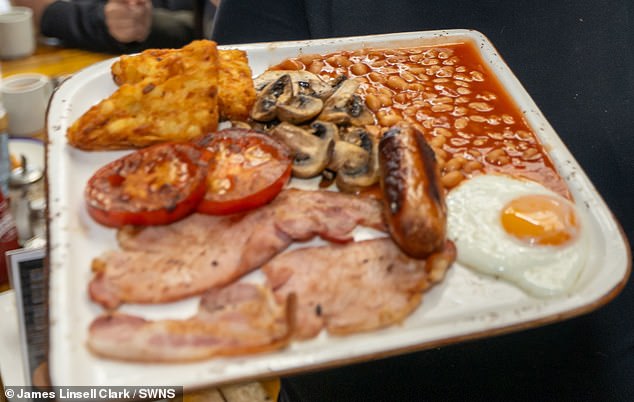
(8, 238)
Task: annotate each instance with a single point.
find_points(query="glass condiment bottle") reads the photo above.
(5, 161)
(8, 238)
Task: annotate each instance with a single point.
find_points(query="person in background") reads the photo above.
(575, 58)
(115, 26)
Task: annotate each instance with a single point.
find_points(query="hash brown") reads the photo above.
(236, 93)
(171, 95)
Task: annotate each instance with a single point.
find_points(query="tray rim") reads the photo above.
(298, 46)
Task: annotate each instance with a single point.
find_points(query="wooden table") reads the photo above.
(52, 61)
(58, 62)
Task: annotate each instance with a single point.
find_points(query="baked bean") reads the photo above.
(373, 56)
(455, 163)
(416, 86)
(497, 157)
(443, 131)
(524, 136)
(397, 59)
(463, 91)
(401, 98)
(442, 107)
(452, 179)
(339, 61)
(496, 136)
(445, 54)
(446, 71)
(475, 153)
(461, 122)
(417, 70)
(472, 166)
(458, 142)
(386, 100)
(477, 76)
(462, 77)
(359, 69)
(411, 112)
(409, 77)
(462, 99)
(443, 99)
(486, 96)
(459, 111)
(531, 154)
(480, 106)
(431, 71)
(396, 83)
(438, 141)
(508, 119)
(376, 77)
(477, 118)
(444, 90)
(440, 153)
(395, 52)
(386, 91)
(390, 71)
(290, 64)
(316, 66)
(451, 61)
(373, 102)
(307, 59)
(388, 119)
(494, 120)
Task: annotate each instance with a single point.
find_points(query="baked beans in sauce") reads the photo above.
(450, 95)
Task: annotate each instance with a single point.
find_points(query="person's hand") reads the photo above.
(128, 20)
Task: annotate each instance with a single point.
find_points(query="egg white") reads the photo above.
(474, 224)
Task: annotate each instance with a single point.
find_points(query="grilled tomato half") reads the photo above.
(153, 186)
(246, 169)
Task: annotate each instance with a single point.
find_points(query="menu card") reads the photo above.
(27, 277)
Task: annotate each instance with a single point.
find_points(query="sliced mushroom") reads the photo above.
(348, 157)
(240, 124)
(277, 92)
(312, 146)
(300, 109)
(346, 107)
(267, 77)
(355, 158)
(304, 82)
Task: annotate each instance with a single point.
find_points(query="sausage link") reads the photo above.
(414, 202)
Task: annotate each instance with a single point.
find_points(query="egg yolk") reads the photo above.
(540, 219)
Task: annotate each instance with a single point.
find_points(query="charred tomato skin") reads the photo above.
(247, 169)
(157, 185)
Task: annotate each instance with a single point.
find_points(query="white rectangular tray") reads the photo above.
(464, 306)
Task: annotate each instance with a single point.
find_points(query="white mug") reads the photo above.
(25, 98)
(17, 35)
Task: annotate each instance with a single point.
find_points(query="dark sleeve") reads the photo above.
(244, 21)
(81, 24)
(170, 29)
(174, 4)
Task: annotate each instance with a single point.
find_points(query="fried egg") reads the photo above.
(519, 231)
